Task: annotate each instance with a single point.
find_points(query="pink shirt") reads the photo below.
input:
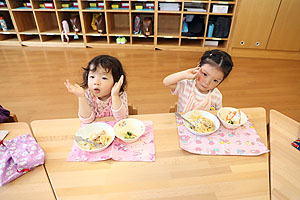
(104, 109)
(185, 88)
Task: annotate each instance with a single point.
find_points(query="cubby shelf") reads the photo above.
(38, 23)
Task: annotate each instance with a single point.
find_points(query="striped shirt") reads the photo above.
(184, 89)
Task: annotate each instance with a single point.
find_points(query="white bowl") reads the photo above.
(194, 113)
(239, 119)
(86, 131)
(132, 125)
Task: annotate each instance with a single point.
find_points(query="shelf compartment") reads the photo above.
(196, 25)
(51, 40)
(25, 22)
(47, 22)
(215, 43)
(220, 8)
(218, 33)
(142, 40)
(43, 4)
(168, 25)
(168, 6)
(191, 42)
(66, 16)
(142, 17)
(30, 39)
(96, 40)
(87, 19)
(9, 39)
(195, 7)
(8, 21)
(70, 5)
(118, 6)
(118, 24)
(142, 6)
(166, 41)
(113, 40)
(19, 4)
(93, 6)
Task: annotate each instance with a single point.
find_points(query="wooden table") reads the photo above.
(32, 185)
(175, 174)
(285, 159)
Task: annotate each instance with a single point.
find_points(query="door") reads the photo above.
(254, 22)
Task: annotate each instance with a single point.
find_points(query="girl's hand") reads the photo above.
(115, 90)
(192, 73)
(75, 89)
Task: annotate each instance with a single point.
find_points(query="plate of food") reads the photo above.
(129, 130)
(232, 118)
(94, 137)
(205, 123)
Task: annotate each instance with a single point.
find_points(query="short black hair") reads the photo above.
(218, 58)
(108, 63)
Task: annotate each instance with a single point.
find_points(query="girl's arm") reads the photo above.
(172, 80)
(85, 110)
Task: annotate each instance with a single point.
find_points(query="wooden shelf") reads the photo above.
(38, 26)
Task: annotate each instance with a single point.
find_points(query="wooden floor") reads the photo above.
(31, 80)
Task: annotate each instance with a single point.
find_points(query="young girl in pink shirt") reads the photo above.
(102, 92)
(197, 87)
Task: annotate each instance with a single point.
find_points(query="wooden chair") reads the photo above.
(173, 108)
(132, 110)
(12, 118)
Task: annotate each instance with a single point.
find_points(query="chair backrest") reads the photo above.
(173, 108)
(132, 110)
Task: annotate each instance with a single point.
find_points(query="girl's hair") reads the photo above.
(108, 63)
(218, 58)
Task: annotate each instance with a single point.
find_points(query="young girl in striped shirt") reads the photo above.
(102, 93)
(197, 87)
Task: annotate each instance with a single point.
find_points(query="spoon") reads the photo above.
(179, 115)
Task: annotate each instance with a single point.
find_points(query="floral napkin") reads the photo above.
(141, 150)
(241, 141)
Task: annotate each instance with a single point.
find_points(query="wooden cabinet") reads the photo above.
(37, 25)
(267, 29)
(255, 19)
(286, 30)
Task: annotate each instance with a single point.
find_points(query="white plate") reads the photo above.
(86, 131)
(206, 115)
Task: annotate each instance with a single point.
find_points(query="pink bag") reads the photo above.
(19, 156)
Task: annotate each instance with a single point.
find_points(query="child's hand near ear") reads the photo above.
(115, 94)
(192, 73)
(115, 90)
(75, 89)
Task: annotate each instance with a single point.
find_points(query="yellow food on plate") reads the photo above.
(202, 124)
(96, 141)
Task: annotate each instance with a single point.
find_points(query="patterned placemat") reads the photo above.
(141, 150)
(241, 141)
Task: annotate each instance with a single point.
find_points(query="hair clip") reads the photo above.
(210, 54)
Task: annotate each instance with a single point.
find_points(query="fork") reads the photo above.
(78, 138)
(180, 116)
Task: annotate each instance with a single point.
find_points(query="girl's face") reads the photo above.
(100, 83)
(209, 77)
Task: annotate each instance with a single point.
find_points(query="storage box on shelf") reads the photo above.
(42, 24)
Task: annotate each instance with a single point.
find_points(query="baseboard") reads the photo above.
(270, 54)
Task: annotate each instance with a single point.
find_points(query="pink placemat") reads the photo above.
(141, 150)
(241, 141)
